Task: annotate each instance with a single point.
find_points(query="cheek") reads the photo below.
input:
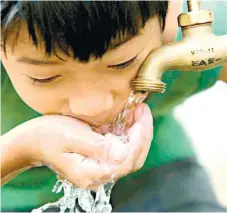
(41, 101)
(38, 101)
(36, 98)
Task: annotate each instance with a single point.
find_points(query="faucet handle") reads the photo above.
(195, 16)
(193, 5)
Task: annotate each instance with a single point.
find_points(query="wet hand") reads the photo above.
(71, 149)
(62, 143)
(140, 135)
(134, 153)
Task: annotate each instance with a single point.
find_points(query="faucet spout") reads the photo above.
(199, 50)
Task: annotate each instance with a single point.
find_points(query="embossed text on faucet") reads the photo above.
(204, 62)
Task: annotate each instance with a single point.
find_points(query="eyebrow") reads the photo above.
(28, 60)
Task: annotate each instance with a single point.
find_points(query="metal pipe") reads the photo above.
(198, 50)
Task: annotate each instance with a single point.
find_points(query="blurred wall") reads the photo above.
(205, 119)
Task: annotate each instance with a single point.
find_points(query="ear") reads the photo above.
(171, 27)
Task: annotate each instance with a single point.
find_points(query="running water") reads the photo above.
(74, 196)
(119, 124)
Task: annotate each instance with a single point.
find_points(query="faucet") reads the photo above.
(198, 50)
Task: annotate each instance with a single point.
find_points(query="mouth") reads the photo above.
(96, 123)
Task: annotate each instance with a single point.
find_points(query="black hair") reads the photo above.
(84, 27)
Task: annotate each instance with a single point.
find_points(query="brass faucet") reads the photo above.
(198, 50)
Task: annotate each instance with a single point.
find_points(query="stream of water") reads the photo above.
(74, 196)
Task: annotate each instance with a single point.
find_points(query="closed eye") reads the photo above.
(43, 80)
(124, 65)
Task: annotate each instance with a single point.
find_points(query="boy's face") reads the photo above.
(94, 92)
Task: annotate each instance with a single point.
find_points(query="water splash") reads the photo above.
(119, 124)
(84, 198)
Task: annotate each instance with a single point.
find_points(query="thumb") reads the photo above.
(93, 145)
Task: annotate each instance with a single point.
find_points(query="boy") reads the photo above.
(74, 61)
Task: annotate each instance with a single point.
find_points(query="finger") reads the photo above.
(79, 137)
(147, 132)
(95, 173)
(104, 129)
(93, 146)
(132, 153)
(65, 168)
(97, 130)
(142, 157)
(94, 187)
(138, 134)
(143, 111)
(135, 115)
(80, 171)
(84, 172)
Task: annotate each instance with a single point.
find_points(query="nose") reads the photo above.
(94, 103)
